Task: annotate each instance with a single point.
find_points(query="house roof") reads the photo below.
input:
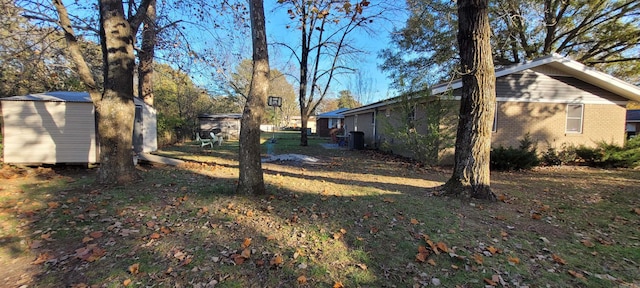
(225, 115)
(333, 114)
(633, 115)
(556, 61)
(566, 65)
(59, 96)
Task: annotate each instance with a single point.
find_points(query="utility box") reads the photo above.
(356, 140)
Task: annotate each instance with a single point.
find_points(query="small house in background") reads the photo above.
(295, 123)
(60, 127)
(227, 124)
(633, 123)
(328, 120)
(553, 99)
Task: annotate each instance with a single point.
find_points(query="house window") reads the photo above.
(575, 113)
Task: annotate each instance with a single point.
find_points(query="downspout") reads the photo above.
(375, 126)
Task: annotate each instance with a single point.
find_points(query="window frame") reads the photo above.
(567, 118)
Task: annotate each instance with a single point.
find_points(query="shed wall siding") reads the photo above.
(49, 132)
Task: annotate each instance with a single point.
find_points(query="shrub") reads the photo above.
(589, 155)
(521, 158)
(551, 157)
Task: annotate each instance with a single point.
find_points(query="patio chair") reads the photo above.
(216, 138)
(204, 142)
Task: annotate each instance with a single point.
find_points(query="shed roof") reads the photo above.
(59, 96)
(566, 65)
(333, 114)
(633, 115)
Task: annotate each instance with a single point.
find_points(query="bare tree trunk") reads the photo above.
(471, 177)
(145, 68)
(304, 78)
(115, 111)
(251, 179)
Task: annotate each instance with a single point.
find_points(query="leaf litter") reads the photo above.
(186, 235)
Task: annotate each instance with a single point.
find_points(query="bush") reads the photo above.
(521, 158)
(551, 157)
(589, 155)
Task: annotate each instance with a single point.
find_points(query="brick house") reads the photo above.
(328, 120)
(554, 99)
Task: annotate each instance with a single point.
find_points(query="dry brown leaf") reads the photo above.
(337, 235)
(504, 234)
(126, 282)
(442, 247)
(53, 205)
(454, 267)
(165, 230)
(388, 200)
(587, 243)
(414, 221)
(431, 262)
(502, 198)
(514, 260)
(478, 258)
(86, 239)
(421, 257)
(134, 268)
(374, 230)
(490, 282)
(151, 224)
(362, 266)
(338, 284)
(238, 259)
(493, 250)
(246, 253)
(343, 231)
(576, 274)
(246, 243)
(96, 234)
(95, 254)
(302, 279)
(46, 236)
(433, 247)
(558, 259)
(271, 237)
(276, 261)
(536, 216)
(154, 235)
(35, 244)
(636, 210)
(42, 257)
(186, 261)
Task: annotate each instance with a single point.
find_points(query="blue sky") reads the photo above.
(371, 43)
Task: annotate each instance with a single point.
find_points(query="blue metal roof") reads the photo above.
(333, 114)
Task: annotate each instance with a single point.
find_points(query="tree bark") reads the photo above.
(145, 67)
(115, 110)
(251, 179)
(471, 177)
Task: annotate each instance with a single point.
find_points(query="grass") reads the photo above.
(357, 218)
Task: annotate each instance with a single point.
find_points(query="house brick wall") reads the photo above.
(545, 123)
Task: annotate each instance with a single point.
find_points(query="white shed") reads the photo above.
(60, 127)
